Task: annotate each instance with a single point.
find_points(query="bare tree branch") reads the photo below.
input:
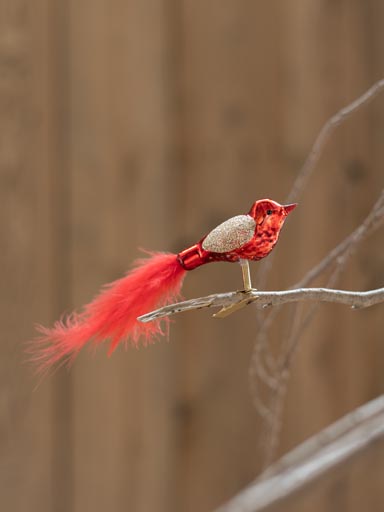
(313, 460)
(273, 371)
(266, 299)
(335, 260)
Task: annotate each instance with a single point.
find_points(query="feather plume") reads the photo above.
(112, 315)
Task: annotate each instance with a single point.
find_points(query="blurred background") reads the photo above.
(144, 123)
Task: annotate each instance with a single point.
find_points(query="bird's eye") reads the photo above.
(269, 212)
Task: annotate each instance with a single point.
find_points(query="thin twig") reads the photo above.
(325, 133)
(314, 155)
(373, 221)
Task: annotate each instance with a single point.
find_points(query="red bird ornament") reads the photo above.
(156, 281)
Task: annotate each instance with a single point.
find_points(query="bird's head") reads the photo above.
(270, 214)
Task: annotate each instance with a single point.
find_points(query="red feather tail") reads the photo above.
(112, 315)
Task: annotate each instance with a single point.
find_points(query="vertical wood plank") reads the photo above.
(120, 174)
(59, 58)
(26, 256)
(231, 72)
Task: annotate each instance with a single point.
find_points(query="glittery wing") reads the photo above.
(231, 234)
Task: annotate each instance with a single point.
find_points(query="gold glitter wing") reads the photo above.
(231, 234)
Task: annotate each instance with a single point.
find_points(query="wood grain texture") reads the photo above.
(145, 124)
(27, 156)
(120, 171)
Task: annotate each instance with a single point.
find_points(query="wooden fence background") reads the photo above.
(143, 123)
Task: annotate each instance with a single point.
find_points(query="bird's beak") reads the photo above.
(289, 207)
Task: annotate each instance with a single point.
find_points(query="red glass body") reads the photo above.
(269, 218)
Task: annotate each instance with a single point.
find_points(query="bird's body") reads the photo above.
(156, 281)
(248, 237)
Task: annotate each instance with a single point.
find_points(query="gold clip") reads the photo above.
(228, 310)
